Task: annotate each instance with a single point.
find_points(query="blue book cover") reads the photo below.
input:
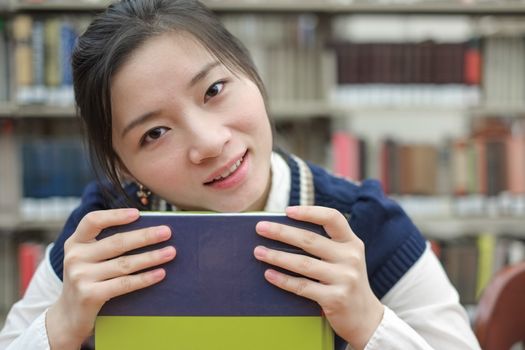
(214, 293)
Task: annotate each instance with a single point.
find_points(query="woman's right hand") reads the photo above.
(95, 271)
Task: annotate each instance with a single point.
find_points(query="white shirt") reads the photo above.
(422, 310)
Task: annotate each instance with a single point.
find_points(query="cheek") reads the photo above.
(149, 167)
(254, 116)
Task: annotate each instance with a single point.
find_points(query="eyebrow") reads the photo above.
(137, 121)
(147, 116)
(202, 73)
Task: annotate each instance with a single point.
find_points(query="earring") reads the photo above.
(143, 195)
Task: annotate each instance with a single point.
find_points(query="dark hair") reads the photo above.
(110, 40)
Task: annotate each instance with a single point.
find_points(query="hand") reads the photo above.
(95, 271)
(337, 281)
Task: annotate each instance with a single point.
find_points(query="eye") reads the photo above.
(153, 134)
(214, 90)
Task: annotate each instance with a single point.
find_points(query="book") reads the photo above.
(214, 294)
(30, 254)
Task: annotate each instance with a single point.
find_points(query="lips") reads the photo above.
(226, 171)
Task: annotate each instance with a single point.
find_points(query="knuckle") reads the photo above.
(351, 279)
(285, 282)
(309, 239)
(360, 245)
(150, 235)
(126, 284)
(355, 259)
(301, 287)
(88, 296)
(76, 276)
(91, 219)
(118, 243)
(337, 299)
(333, 215)
(71, 257)
(68, 244)
(305, 263)
(124, 264)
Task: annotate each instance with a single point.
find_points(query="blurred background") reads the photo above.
(426, 96)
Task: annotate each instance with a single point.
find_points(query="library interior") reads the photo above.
(427, 96)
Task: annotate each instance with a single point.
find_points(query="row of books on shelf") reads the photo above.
(54, 167)
(473, 206)
(425, 62)
(489, 73)
(4, 77)
(298, 64)
(488, 162)
(42, 53)
(471, 261)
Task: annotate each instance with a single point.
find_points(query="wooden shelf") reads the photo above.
(6, 109)
(441, 228)
(326, 7)
(35, 111)
(11, 226)
(81, 5)
(284, 110)
(449, 228)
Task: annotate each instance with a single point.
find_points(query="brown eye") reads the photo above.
(214, 90)
(153, 135)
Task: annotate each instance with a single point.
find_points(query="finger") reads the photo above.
(302, 264)
(126, 284)
(308, 241)
(128, 264)
(94, 222)
(333, 221)
(297, 285)
(121, 243)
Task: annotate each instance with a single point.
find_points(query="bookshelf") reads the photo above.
(447, 7)
(303, 100)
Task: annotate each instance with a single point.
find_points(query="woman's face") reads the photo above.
(189, 129)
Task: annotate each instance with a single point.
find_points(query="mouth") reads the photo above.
(227, 171)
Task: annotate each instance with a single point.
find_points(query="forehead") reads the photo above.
(173, 49)
(159, 68)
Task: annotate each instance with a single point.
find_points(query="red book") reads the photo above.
(345, 150)
(29, 256)
(472, 67)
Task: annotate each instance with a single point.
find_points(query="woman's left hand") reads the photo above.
(337, 281)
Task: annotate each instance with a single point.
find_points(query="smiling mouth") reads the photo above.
(227, 172)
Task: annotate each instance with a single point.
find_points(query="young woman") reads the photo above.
(176, 118)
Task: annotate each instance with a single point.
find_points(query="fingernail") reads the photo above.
(263, 226)
(260, 252)
(271, 275)
(163, 232)
(158, 274)
(167, 252)
(132, 213)
(292, 210)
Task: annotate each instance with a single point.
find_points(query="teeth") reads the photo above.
(229, 171)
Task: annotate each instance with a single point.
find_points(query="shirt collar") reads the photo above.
(279, 195)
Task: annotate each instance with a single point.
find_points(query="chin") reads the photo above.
(239, 205)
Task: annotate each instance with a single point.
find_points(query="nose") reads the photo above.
(208, 137)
